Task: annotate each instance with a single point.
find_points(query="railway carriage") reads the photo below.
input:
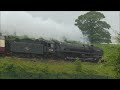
(2, 45)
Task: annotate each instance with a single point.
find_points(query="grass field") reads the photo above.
(14, 68)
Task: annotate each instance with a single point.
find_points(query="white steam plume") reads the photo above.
(23, 23)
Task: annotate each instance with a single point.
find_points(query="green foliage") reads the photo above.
(45, 69)
(12, 68)
(118, 63)
(112, 57)
(78, 65)
(110, 52)
(91, 25)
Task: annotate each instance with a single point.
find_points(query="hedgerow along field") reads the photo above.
(16, 68)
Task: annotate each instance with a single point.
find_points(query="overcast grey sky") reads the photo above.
(50, 24)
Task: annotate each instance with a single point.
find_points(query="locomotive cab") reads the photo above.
(49, 46)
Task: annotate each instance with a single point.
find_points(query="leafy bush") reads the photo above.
(117, 68)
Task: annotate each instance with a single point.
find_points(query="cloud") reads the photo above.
(24, 24)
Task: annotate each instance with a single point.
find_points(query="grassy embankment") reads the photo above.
(14, 68)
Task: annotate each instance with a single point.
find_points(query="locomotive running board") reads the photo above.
(81, 59)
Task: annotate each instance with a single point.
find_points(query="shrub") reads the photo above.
(117, 68)
(9, 67)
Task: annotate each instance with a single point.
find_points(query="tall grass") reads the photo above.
(78, 65)
(12, 68)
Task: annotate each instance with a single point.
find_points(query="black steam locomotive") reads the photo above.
(27, 48)
(52, 49)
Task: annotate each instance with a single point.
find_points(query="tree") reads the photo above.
(93, 27)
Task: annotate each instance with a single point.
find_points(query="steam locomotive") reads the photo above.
(49, 49)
